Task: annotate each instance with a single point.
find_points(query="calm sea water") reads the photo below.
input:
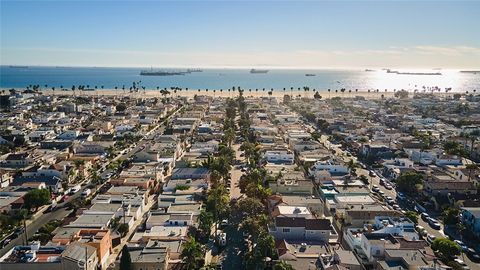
(227, 78)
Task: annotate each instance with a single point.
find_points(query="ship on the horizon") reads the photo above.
(369, 70)
(413, 73)
(310, 74)
(152, 72)
(470, 71)
(254, 71)
(18, 66)
(190, 70)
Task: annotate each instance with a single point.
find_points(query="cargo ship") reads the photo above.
(310, 75)
(161, 73)
(260, 71)
(413, 73)
(190, 70)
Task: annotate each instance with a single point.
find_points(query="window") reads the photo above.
(184, 223)
(286, 230)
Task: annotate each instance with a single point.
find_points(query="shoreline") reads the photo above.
(191, 93)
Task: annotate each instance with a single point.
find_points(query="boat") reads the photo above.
(413, 73)
(260, 71)
(18, 66)
(190, 70)
(419, 73)
(310, 74)
(470, 71)
(369, 70)
(161, 73)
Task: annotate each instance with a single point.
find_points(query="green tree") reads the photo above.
(283, 266)
(123, 229)
(125, 260)
(36, 198)
(409, 182)
(121, 107)
(205, 220)
(265, 247)
(218, 202)
(450, 216)
(192, 254)
(412, 216)
(250, 207)
(229, 136)
(446, 247)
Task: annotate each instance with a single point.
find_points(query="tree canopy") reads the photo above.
(36, 198)
(446, 247)
(409, 182)
(192, 254)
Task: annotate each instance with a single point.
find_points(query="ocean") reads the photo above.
(109, 78)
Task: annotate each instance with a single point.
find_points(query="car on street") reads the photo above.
(431, 238)
(461, 263)
(473, 255)
(462, 245)
(388, 186)
(372, 174)
(424, 216)
(375, 188)
(435, 224)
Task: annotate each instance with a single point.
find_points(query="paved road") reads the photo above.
(342, 155)
(60, 213)
(236, 174)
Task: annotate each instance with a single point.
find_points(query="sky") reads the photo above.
(293, 34)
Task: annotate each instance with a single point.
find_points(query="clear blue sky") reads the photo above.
(241, 33)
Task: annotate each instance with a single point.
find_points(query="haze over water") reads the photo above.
(227, 78)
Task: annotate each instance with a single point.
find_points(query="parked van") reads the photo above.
(86, 192)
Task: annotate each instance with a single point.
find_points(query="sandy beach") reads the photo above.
(191, 93)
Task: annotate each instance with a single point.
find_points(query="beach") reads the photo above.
(224, 94)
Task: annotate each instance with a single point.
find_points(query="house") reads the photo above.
(301, 229)
(151, 256)
(101, 240)
(191, 173)
(53, 183)
(19, 160)
(279, 156)
(444, 160)
(376, 151)
(471, 219)
(36, 257)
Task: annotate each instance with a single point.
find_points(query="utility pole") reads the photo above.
(86, 257)
(25, 230)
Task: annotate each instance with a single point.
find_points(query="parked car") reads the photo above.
(388, 186)
(375, 188)
(461, 263)
(473, 255)
(434, 223)
(401, 196)
(431, 238)
(462, 245)
(424, 216)
(372, 174)
(86, 192)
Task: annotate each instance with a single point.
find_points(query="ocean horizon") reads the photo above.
(224, 78)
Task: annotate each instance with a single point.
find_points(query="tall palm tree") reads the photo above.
(192, 253)
(471, 168)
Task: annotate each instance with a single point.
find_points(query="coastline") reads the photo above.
(191, 93)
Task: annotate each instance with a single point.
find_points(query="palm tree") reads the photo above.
(471, 168)
(191, 254)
